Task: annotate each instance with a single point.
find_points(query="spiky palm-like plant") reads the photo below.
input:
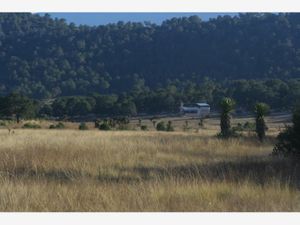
(261, 110)
(227, 105)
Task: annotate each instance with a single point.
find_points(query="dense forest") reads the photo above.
(129, 68)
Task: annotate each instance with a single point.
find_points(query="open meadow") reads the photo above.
(92, 170)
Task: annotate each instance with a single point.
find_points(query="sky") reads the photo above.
(105, 18)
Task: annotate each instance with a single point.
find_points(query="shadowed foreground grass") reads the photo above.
(69, 170)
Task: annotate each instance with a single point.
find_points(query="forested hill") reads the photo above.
(44, 57)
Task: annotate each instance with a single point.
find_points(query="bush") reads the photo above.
(201, 123)
(186, 126)
(169, 126)
(230, 134)
(249, 126)
(288, 141)
(144, 127)
(238, 127)
(83, 126)
(31, 126)
(60, 125)
(104, 126)
(161, 126)
(97, 123)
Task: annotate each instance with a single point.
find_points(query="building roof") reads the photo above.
(202, 104)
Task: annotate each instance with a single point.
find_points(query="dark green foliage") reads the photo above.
(238, 127)
(104, 126)
(227, 105)
(116, 123)
(123, 123)
(18, 105)
(149, 68)
(161, 126)
(45, 110)
(83, 126)
(144, 127)
(201, 123)
(169, 126)
(139, 122)
(52, 126)
(288, 141)
(78, 60)
(154, 123)
(248, 126)
(60, 125)
(186, 125)
(31, 126)
(97, 123)
(261, 109)
(73, 106)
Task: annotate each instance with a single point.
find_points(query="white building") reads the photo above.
(197, 109)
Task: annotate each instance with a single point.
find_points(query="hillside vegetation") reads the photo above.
(151, 68)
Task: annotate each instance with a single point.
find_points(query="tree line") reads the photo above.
(22, 107)
(278, 94)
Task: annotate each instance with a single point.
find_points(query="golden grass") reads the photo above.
(71, 170)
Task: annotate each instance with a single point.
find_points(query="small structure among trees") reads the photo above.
(201, 110)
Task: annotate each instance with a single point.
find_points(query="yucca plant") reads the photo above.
(261, 110)
(227, 105)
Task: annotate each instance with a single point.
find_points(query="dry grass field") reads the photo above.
(72, 170)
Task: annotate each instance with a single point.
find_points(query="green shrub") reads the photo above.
(169, 126)
(186, 126)
(125, 127)
(232, 133)
(201, 123)
(104, 126)
(249, 126)
(288, 141)
(31, 126)
(60, 125)
(97, 123)
(161, 126)
(144, 127)
(83, 126)
(238, 127)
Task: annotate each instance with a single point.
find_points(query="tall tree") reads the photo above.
(19, 106)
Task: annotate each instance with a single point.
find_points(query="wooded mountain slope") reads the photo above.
(44, 57)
